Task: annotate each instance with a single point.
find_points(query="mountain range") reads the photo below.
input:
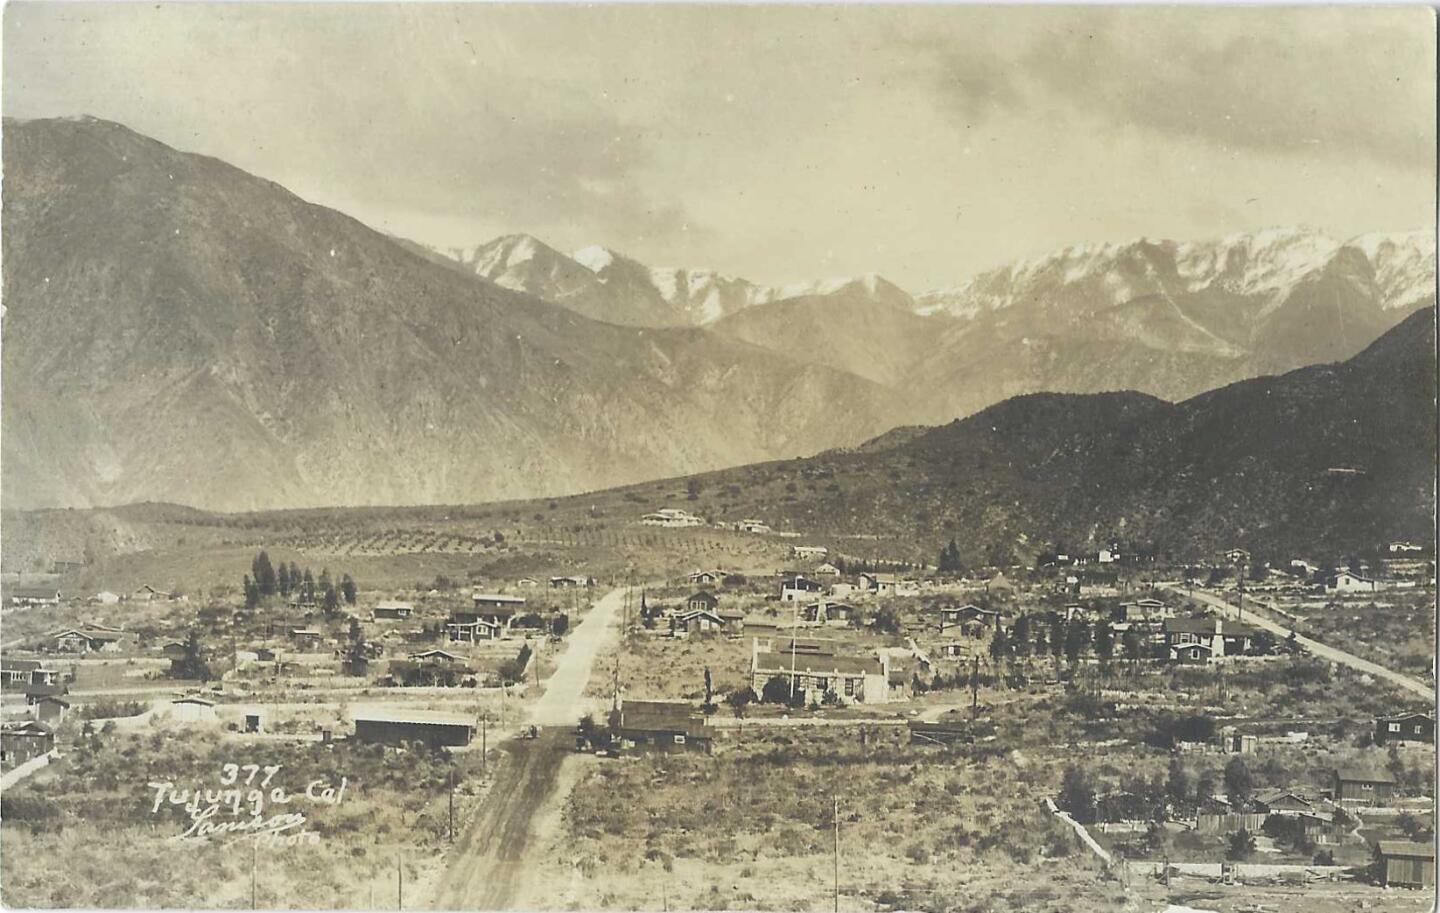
(601, 283)
(180, 330)
(1324, 461)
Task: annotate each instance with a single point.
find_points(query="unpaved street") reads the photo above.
(485, 869)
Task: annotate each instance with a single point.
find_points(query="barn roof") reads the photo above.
(1407, 848)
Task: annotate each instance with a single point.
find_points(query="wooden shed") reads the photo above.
(1406, 864)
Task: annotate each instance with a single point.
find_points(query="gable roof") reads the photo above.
(662, 716)
(704, 596)
(1364, 775)
(1407, 848)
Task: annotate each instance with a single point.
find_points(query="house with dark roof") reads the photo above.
(472, 627)
(1405, 727)
(24, 741)
(695, 621)
(1219, 636)
(33, 596)
(971, 620)
(661, 726)
(397, 726)
(21, 674)
(702, 601)
(1362, 786)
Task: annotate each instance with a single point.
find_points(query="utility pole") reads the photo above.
(399, 883)
(484, 752)
(974, 687)
(836, 823)
(254, 853)
(452, 803)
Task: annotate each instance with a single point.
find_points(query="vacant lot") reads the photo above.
(83, 834)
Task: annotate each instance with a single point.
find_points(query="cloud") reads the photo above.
(1298, 82)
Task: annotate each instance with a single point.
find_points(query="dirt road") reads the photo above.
(486, 865)
(1315, 647)
(485, 868)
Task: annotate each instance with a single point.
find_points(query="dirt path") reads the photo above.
(486, 868)
(487, 864)
(1324, 651)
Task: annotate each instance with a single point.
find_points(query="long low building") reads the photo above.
(812, 675)
(397, 725)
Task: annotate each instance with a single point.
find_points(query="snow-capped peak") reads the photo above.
(594, 258)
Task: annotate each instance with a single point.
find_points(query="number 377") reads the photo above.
(230, 773)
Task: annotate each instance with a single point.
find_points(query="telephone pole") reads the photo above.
(399, 883)
(254, 852)
(452, 803)
(836, 823)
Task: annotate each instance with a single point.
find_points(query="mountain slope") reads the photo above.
(179, 330)
(1320, 461)
(849, 330)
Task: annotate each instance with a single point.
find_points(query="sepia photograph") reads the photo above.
(851, 458)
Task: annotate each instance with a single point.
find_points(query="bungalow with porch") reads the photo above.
(972, 620)
(812, 675)
(34, 596)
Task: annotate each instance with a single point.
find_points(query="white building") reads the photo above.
(672, 518)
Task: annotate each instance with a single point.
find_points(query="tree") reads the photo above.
(1204, 788)
(307, 586)
(252, 593)
(560, 624)
(347, 589)
(1242, 845)
(709, 705)
(332, 599)
(1216, 577)
(357, 659)
(1263, 644)
(1132, 644)
(1022, 637)
(999, 646)
(264, 573)
(886, 621)
(1077, 638)
(739, 700)
(1077, 795)
(1042, 641)
(693, 489)
(1177, 784)
(777, 690)
(1104, 641)
(191, 663)
(949, 560)
(1238, 782)
(282, 575)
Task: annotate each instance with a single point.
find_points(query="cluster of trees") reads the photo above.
(191, 664)
(1178, 793)
(267, 580)
(512, 670)
(1052, 635)
(949, 560)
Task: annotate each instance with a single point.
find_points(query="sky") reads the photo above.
(778, 143)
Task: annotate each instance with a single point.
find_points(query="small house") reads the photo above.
(392, 610)
(1358, 786)
(24, 741)
(397, 726)
(704, 578)
(193, 709)
(305, 638)
(972, 620)
(809, 552)
(661, 726)
(828, 569)
(696, 621)
(33, 597)
(1405, 727)
(1343, 582)
(798, 589)
(105, 597)
(471, 627)
(88, 640)
(51, 710)
(702, 601)
(1406, 864)
(21, 674)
